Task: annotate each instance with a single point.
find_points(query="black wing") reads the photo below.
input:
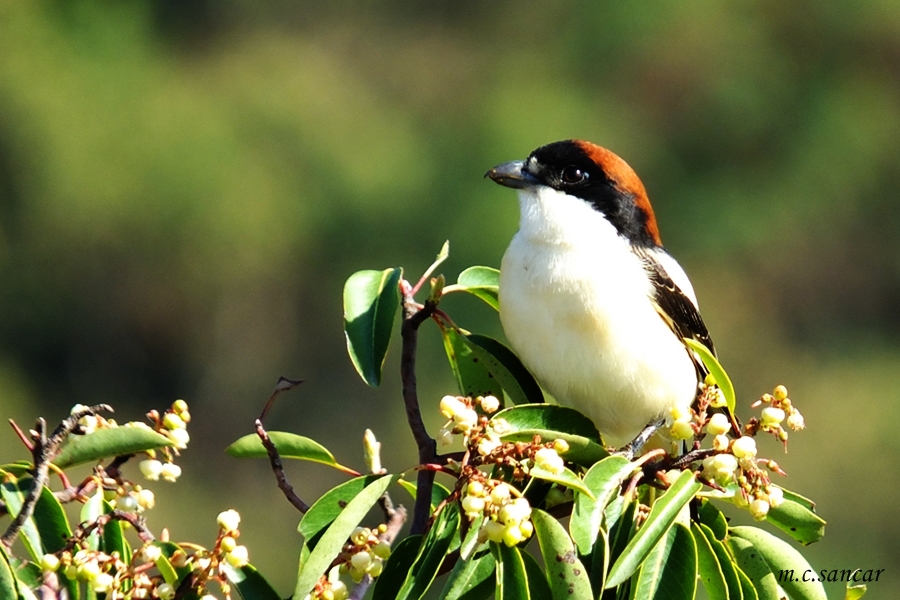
(675, 307)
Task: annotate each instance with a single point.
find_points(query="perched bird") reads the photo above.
(590, 300)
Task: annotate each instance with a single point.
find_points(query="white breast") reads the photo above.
(575, 306)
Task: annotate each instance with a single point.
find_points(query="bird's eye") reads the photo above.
(573, 175)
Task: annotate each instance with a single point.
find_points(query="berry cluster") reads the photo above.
(363, 554)
(172, 424)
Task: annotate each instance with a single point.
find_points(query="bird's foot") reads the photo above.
(633, 448)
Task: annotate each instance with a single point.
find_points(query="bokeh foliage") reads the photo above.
(184, 187)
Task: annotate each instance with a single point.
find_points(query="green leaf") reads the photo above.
(51, 521)
(168, 572)
(797, 519)
(371, 302)
(289, 445)
(751, 562)
(620, 522)
(599, 563)
(511, 577)
(604, 480)
(727, 564)
(670, 570)
(470, 544)
(472, 375)
(336, 535)
(855, 591)
(713, 518)
(90, 511)
(388, 584)
(749, 592)
(431, 554)
(438, 492)
(250, 584)
(551, 423)
(538, 586)
(784, 560)
(567, 576)
(481, 282)
(8, 587)
(716, 370)
(20, 468)
(471, 579)
(566, 478)
(13, 492)
(506, 368)
(708, 566)
(662, 516)
(326, 509)
(106, 443)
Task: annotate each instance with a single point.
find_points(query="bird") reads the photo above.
(590, 300)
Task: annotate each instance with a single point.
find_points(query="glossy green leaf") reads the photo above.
(471, 372)
(718, 373)
(388, 584)
(620, 523)
(371, 302)
(471, 544)
(670, 570)
(52, 523)
(90, 511)
(726, 563)
(708, 567)
(326, 509)
(27, 573)
(13, 492)
(538, 586)
(567, 576)
(662, 516)
(20, 468)
(566, 478)
(599, 558)
(751, 562)
(250, 584)
(431, 554)
(471, 579)
(511, 577)
(8, 587)
(106, 443)
(553, 422)
(504, 366)
(855, 591)
(604, 480)
(289, 445)
(481, 282)
(333, 539)
(747, 589)
(784, 560)
(797, 518)
(168, 572)
(439, 493)
(713, 518)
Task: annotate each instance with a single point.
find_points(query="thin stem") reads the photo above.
(278, 469)
(409, 334)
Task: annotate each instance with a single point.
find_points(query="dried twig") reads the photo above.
(278, 469)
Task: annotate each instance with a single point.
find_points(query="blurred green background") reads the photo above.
(186, 184)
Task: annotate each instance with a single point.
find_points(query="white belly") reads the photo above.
(580, 318)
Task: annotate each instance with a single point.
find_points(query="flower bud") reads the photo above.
(179, 437)
(720, 443)
(146, 499)
(493, 531)
(473, 506)
(717, 399)
(382, 550)
(490, 404)
(795, 421)
(776, 496)
(49, 563)
(682, 430)
(173, 421)
(771, 416)
(165, 591)
(102, 583)
(744, 447)
(150, 553)
(179, 406)
(229, 520)
(561, 445)
(488, 444)
(718, 424)
(227, 544)
(361, 560)
(127, 503)
(170, 472)
(759, 509)
(372, 452)
(238, 557)
(475, 488)
(500, 493)
(780, 393)
(450, 405)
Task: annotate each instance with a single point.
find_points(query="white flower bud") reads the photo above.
(795, 421)
(473, 506)
(361, 560)
(102, 583)
(127, 504)
(146, 499)
(771, 416)
(150, 553)
(165, 591)
(179, 437)
(493, 531)
(170, 472)
(759, 509)
(475, 488)
(488, 444)
(229, 520)
(450, 405)
(445, 436)
(490, 404)
(717, 399)
(465, 419)
(744, 447)
(238, 557)
(776, 497)
(682, 430)
(549, 460)
(512, 534)
(500, 494)
(718, 424)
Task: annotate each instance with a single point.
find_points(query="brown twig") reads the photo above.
(278, 469)
(413, 316)
(43, 452)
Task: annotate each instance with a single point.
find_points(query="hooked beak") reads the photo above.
(512, 175)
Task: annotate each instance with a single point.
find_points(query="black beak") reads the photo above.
(512, 175)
